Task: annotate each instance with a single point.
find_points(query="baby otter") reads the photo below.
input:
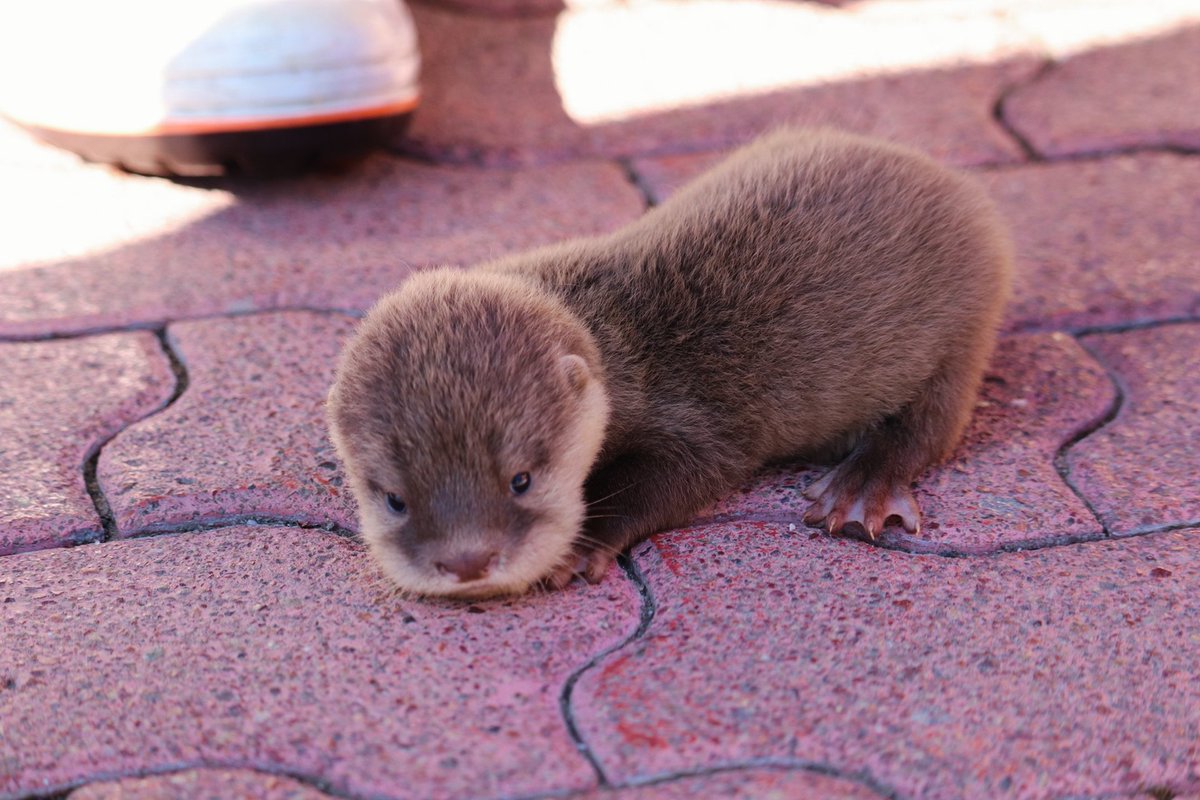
(816, 294)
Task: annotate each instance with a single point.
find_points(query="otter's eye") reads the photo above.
(521, 482)
(395, 504)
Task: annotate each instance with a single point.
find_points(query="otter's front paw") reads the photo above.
(846, 497)
(590, 564)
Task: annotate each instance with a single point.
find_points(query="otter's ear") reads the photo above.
(576, 370)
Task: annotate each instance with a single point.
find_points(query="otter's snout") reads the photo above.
(469, 565)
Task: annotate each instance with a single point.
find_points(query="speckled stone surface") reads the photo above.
(1102, 242)
(142, 249)
(754, 783)
(1000, 490)
(248, 435)
(281, 650)
(1116, 97)
(523, 91)
(1098, 242)
(1142, 470)
(201, 784)
(1062, 672)
(59, 400)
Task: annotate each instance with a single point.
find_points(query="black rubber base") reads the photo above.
(272, 151)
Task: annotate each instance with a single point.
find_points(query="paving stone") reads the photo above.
(1059, 672)
(1140, 471)
(59, 400)
(758, 783)
(610, 80)
(141, 249)
(200, 784)
(1102, 242)
(1001, 489)
(1115, 97)
(248, 435)
(281, 650)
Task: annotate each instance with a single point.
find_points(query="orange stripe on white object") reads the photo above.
(138, 67)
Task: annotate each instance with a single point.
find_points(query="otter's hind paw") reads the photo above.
(591, 566)
(843, 498)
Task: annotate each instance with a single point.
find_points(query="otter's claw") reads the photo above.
(591, 565)
(841, 501)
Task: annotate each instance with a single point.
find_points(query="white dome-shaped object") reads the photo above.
(132, 69)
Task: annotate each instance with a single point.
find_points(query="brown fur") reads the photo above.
(815, 291)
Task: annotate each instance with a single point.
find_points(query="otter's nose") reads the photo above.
(468, 566)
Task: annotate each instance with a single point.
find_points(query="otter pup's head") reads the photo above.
(468, 410)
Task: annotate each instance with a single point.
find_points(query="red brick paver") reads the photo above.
(201, 784)
(246, 438)
(1103, 242)
(321, 241)
(1067, 671)
(282, 650)
(264, 656)
(1117, 97)
(59, 401)
(1142, 471)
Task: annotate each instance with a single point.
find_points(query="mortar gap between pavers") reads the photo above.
(249, 519)
(320, 784)
(637, 180)
(91, 461)
(646, 616)
(1164, 527)
(156, 325)
(1027, 149)
(781, 764)
(1137, 325)
(1061, 464)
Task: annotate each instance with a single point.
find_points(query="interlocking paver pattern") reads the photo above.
(201, 784)
(1103, 242)
(60, 400)
(246, 439)
(323, 241)
(1142, 471)
(1060, 672)
(244, 644)
(1116, 97)
(278, 648)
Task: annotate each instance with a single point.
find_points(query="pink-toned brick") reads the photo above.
(246, 438)
(59, 400)
(497, 91)
(201, 784)
(755, 783)
(282, 651)
(1140, 471)
(97, 248)
(1102, 242)
(1062, 672)
(1000, 490)
(1115, 97)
